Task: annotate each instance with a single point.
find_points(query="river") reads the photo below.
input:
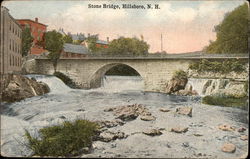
(64, 103)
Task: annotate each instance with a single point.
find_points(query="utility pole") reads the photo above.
(161, 43)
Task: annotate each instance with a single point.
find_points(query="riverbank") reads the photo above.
(19, 87)
(202, 139)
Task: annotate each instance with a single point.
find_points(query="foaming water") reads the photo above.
(64, 103)
(115, 84)
(56, 85)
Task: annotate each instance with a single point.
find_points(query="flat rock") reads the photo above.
(152, 132)
(110, 124)
(129, 112)
(148, 118)
(244, 137)
(228, 147)
(197, 134)
(184, 111)
(226, 127)
(164, 110)
(108, 136)
(179, 129)
(242, 129)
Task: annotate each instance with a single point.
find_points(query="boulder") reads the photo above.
(164, 110)
(129, 112)
(21, 87)
(184, 111)
(148, 118)
(152, 132)
(179, 129)
(242, 129)
(175, 85)
(108, 136)
(228, 147)
(226, 127)
(127, 116)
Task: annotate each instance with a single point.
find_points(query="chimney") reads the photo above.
(36, 19)
(108, 39)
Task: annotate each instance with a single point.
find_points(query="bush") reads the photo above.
(65, 79)
(63, 140)
(226, 101)
(223, 67)
(180, 74)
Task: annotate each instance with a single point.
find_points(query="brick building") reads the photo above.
(74, 51)
(10, 48)
(37, 32)
(99, 43)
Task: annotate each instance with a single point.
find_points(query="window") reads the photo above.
(10, 26)
(10, 44)
(10, 60)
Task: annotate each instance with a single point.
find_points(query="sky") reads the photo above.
(186, 26)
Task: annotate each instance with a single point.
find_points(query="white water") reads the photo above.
(115, 84)
(207, 86)
(64, 103)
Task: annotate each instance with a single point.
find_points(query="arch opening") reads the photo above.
(119, 75)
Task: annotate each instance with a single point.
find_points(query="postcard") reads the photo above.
(124, 78)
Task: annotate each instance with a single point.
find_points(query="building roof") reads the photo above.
(102, 42)
(78, 36)
(72, 48)
(31, 21)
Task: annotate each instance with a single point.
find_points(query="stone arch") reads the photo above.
(95, 79)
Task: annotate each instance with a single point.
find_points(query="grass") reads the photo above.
(226, 101)
(65, 140)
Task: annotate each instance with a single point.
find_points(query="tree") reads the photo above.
(54, 44)
(92, 44)
(128, 46)
(67, 39)
(232, 33)
(27, 40)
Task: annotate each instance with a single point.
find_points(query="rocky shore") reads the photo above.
(19, 87)
(186, 134)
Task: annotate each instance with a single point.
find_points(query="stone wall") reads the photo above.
(87, 73)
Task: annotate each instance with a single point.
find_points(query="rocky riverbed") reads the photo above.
(19, 87)
(134, 123)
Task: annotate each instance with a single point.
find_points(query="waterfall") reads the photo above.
(121, 83)
(55, 84)
(207, 86)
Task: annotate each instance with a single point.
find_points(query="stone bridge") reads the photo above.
(88, 72)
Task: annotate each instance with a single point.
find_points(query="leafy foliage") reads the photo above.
(224, 66)
(232, 33)
(92, 44)
(67, 39)
(180, 74)
(27, 40)
(128, 46)
(63, 140)
(226, 101)
(54, 44)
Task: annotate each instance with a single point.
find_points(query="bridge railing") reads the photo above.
(170, 55)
